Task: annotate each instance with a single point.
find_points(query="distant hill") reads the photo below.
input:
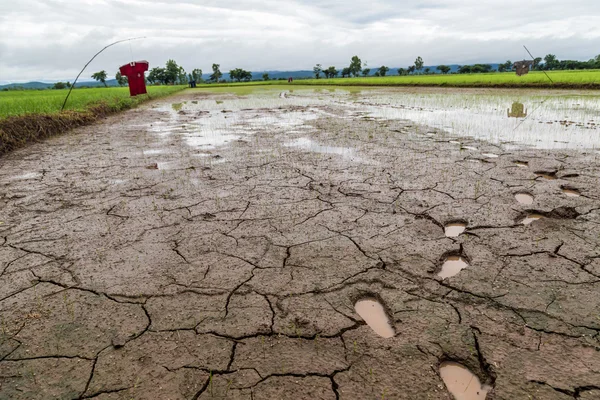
(46, 85)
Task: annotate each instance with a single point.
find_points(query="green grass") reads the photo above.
(14, 103)
(562, 79)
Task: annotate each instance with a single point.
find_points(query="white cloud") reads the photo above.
(52, 39)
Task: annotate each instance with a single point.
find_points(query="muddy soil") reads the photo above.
(185, 253)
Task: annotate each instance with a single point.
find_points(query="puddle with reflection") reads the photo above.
(517, 110)
(524, 198)
(484, 116)
(307, 144)
(462, 383)
(154, 151)
(452, 266)
(530, 218)
(571, 192)
(454, 229)
(28, 175)
(373, 313)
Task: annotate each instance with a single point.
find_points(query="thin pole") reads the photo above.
(533, 58)
(88, 63)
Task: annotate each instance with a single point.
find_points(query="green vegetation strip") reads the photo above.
(584, 79)
(27, 116)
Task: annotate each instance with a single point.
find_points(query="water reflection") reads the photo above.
(517, 110)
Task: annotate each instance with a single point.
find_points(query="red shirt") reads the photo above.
(134, 72)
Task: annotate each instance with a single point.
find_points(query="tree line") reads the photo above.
(174, 74)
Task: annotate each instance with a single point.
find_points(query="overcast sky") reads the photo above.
(53, 39)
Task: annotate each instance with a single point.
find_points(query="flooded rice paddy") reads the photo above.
(286, 242)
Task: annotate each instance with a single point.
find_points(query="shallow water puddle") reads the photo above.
(452, 266)
(454, 229)
(530, 218)
(522, 164)
(490, 155)
(462, 383)
(571, 192)
(372, 312)
(470, 148)
(546, 175)
(524, 198)
(307, 144)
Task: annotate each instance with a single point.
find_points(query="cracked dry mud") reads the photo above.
(231, 268)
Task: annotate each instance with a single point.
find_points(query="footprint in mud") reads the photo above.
(373, 313)
(522, 164)
(452, 265)
(462, 383)
(548, 175)
(570, 191)
(455, 228)
(530, 218)
(524, 198)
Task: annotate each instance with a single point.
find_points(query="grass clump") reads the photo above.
(28, 116)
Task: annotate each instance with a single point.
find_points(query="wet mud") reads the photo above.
(218, 249)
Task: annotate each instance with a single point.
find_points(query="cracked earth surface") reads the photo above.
(231, 271)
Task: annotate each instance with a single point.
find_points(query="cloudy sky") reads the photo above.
(53, 39)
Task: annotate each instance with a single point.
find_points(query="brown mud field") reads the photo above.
(225, 246)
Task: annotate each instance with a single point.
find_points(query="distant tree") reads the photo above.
(377, 73)
(331, 72)
(265, 77)
(481, 68)
(156, 75)
(216, 75)
(196, 75)
(121, 80)
(383, 70)
(465, 69)
(366, 71)
(317, 70)
(402, 71)
(172, 72)
(355, 66)
(536, 62)
(100, 76)
(419, 63)
(182, 78)
(411, 69)
(345, 72)
(550, 62)
(427, 70)
(59, 85)
(239, 75)
(444, 69)
(507, 66)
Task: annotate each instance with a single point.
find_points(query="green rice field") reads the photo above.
(14, 103)
(561, 79)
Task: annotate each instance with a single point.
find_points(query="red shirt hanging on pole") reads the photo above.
(134, 71)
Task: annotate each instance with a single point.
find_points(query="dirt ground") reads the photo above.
(231, 271)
